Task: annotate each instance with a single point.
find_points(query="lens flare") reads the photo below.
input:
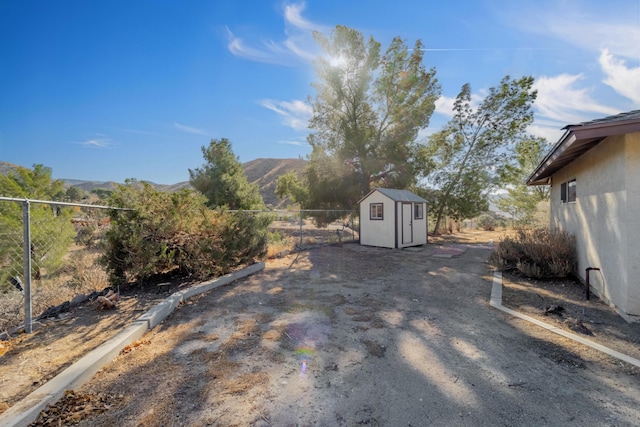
(308, 332)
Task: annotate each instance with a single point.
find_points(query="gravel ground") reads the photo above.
(352, 335)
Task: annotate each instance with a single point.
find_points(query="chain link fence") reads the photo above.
(313, 227)
(49, 254)
(60, 259)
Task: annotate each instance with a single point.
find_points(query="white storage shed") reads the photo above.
(392, 218)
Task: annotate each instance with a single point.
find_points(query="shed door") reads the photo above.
(407, 223)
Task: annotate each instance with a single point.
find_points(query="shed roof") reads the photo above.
(580, 138)
(397, 195)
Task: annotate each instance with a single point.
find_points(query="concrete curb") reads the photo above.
(28, 409)
(496, 302)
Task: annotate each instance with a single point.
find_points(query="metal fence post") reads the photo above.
(353, 231)
(300, 227)
(26, 219)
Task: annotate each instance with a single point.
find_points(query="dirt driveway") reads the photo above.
(351, 335)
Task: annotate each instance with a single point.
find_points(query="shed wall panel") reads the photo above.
(377, 232)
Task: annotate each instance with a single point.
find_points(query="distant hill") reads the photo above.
(262, 172)
(90, 185)
(265, 173)
(6, 167)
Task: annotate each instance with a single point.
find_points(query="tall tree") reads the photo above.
(470, 149)
(74, 194)
(521, 201)
(367, 112)
(33, 183)
(222, 180)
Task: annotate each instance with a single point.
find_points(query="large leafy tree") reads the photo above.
(51, 229)
(470, 150)
(222, 180)
(521, 201)
(367, 112)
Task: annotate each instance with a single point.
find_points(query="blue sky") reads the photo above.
(113, 90)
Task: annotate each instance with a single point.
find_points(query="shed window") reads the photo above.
(568, 191)
(375, 211)
(418, 211)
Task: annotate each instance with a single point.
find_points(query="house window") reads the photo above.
(568, 191)
(418, 211)
(571, 191)
(375, 211)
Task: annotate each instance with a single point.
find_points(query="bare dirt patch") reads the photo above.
(27, 361)
(351, 335)
(472, 236)
(562, 303)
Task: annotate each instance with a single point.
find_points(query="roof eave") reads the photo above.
(537, 177)
(586, 137)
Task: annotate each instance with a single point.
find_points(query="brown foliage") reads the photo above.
(540, 253)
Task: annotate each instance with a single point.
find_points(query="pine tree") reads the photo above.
(222, 180)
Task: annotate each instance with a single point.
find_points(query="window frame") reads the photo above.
(418, 211)
(376, 206)
(572, 191)
(569, 191)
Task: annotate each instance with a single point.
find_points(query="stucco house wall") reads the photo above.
(598, 217)
(603, 157)
(632, 156)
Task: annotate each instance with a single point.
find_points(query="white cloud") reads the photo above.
(548, 132)
(425, 133)
(293, 15)
(237, 47)
(622, 79)
(592, 33)
(292, 142)
(98, 141)
(297, 47)
(444, 106)
(189, 129)
(591, 26)
(560, 100)
(295, 114)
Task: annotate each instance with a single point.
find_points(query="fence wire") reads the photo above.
(64, 250)
(62, 256)
(308, 228)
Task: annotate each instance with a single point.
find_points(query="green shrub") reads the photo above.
(176, 233)
(51, 236)
(540, 253)
(487, 222)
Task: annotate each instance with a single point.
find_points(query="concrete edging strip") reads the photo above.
(496, 302)
(158, 313)
(28, 409)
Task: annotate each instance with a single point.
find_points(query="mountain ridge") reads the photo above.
(264, 172)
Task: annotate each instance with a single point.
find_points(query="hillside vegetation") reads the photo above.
(262, 172)
(265, 173)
